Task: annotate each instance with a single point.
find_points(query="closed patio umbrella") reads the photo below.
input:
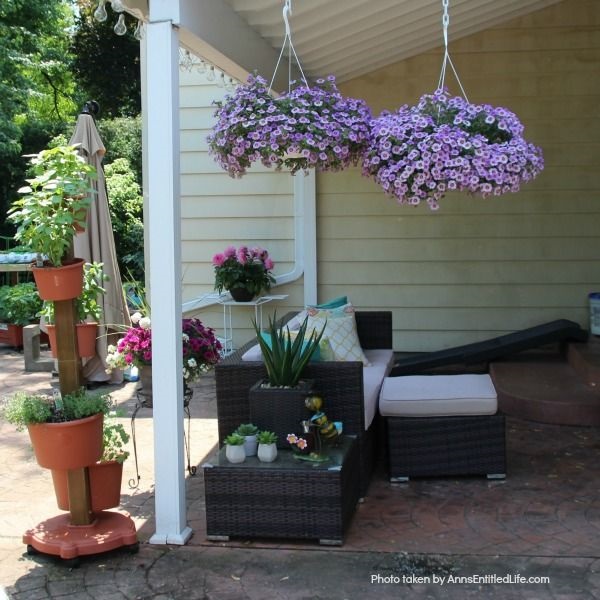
(97, 244)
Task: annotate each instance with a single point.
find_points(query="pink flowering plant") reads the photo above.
(445, 143)
(304, 128)
(248, 268)
(201, 348)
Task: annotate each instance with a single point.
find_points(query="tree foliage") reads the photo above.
(36, 88)
(107, 65)
(126, 208)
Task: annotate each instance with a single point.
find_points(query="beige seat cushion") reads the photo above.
(437, 396)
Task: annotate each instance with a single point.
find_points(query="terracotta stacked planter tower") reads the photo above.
(70, 450)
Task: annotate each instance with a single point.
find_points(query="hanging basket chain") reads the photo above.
(447, 60)
(287, 40)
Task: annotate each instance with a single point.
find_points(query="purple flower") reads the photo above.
(445, 143)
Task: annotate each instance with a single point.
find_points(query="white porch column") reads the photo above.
(161, 124)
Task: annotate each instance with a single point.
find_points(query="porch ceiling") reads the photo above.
(354, 37)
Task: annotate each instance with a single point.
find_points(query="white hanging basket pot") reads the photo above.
(445, 143)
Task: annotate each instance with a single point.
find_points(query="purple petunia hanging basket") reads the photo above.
(304, 128)
(444, 143)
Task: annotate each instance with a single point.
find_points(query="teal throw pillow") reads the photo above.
(335, 303)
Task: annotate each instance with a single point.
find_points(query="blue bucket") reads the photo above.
(594, 298)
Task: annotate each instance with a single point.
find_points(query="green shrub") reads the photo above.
(122, 138)
(126, 210)
(19, 304)
(114, 440)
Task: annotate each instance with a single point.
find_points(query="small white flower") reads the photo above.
(111, 349)
(186, 374)
(135, 317)
(144, 322)
(192, 363)
(186, 337)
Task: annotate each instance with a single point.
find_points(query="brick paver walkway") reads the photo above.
(542, 521)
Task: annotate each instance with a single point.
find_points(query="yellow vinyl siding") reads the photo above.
(477, 268)
(218, 211)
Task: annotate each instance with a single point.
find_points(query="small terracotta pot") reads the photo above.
(105, 486)
(60, 283)
(70, 445)
(86, 339)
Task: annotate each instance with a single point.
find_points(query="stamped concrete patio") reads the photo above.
(542, 521)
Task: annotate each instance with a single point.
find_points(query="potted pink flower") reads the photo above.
(243, 272)
(201, 351)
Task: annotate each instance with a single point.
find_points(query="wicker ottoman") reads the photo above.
(443, 425)
(288, 498)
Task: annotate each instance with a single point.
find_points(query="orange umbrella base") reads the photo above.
(58, 537)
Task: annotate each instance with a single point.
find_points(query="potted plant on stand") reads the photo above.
(277, 403)
(243, 272)
(201, 351)
(65, 432)
(267, 446)
(234, 450)
(87, 308)
(105, 475)
(19, 306)
(51, 209)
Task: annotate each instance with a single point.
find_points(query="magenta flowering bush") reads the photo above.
(305, 128)
(201, 348)
(247, 268)
(445, 143)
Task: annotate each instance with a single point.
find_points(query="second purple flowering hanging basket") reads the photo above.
(445, 143)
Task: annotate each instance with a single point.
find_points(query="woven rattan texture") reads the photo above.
(339, 383)
(279, 410)
(271, 502)
(440, 446)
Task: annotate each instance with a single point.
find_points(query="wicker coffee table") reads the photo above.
(288, 498)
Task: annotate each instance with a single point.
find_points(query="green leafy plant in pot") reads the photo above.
(88, 310)
(19, 306)
(65, 432)
(267, 446)
(48, 214)
(277, 402)
(234, 448)
(249, 431)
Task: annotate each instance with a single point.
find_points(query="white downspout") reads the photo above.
(305, 237)
(305, 245)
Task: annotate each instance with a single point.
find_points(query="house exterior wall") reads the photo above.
(475, 268)
(218, 211)
(478, 268)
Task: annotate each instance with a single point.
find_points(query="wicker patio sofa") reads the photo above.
(339, 383)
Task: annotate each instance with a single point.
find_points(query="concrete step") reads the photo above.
(548, 391)
(585, 359)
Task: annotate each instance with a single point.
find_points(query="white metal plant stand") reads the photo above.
(226, 301)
